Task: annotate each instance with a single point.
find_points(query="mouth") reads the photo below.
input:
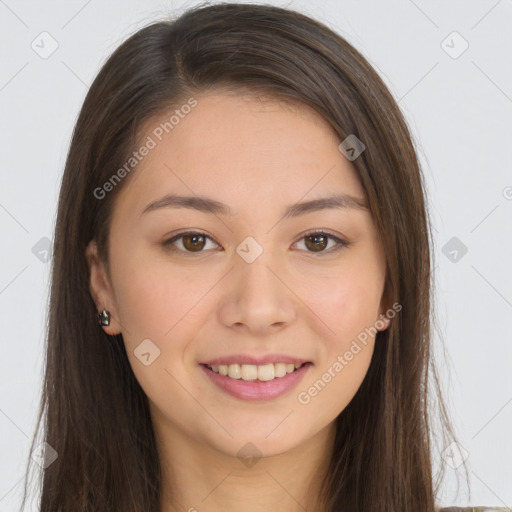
(255, 373)
(256, 382)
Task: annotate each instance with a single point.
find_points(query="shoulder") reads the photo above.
(474, 509)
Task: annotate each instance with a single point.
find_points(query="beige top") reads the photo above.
(475, 509)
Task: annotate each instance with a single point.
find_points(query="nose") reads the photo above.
(257, 298)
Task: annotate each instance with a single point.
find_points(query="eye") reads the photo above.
(196, 241)
(191, 241)
(317, 241)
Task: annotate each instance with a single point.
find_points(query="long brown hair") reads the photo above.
(96, 415)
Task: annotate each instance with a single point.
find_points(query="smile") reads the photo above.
(251, 372)
(256, 382)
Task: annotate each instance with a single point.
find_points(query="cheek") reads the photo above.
(335, 385)
(345, 305)
(156, 312)
(350, 311)
(150, 299)
(346, 308)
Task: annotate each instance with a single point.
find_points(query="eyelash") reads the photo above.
(339, 241)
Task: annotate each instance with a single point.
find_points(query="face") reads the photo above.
(240, 281)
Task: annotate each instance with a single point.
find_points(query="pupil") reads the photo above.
(194, 239)
(316, 238)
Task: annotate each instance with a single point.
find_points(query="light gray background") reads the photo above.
(459, 106)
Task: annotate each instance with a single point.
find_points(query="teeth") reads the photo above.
(250, 372)
(234, 371)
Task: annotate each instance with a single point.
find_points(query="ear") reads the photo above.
(101, 289)
(383, 321)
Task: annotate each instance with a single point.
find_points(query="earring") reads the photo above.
(104, 318)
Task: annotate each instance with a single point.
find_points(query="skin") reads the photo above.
(258, 156)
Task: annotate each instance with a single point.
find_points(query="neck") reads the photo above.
(202, 478)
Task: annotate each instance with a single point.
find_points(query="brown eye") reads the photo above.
(316, 242)
(194, 242)
(191, 242)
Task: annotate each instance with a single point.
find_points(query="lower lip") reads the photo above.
(257, 390)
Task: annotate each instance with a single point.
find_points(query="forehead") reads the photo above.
(242, 149)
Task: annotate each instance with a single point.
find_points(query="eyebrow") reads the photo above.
(207, 205)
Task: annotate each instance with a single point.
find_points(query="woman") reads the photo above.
(243, 211)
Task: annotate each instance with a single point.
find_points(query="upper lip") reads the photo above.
(247, 359)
